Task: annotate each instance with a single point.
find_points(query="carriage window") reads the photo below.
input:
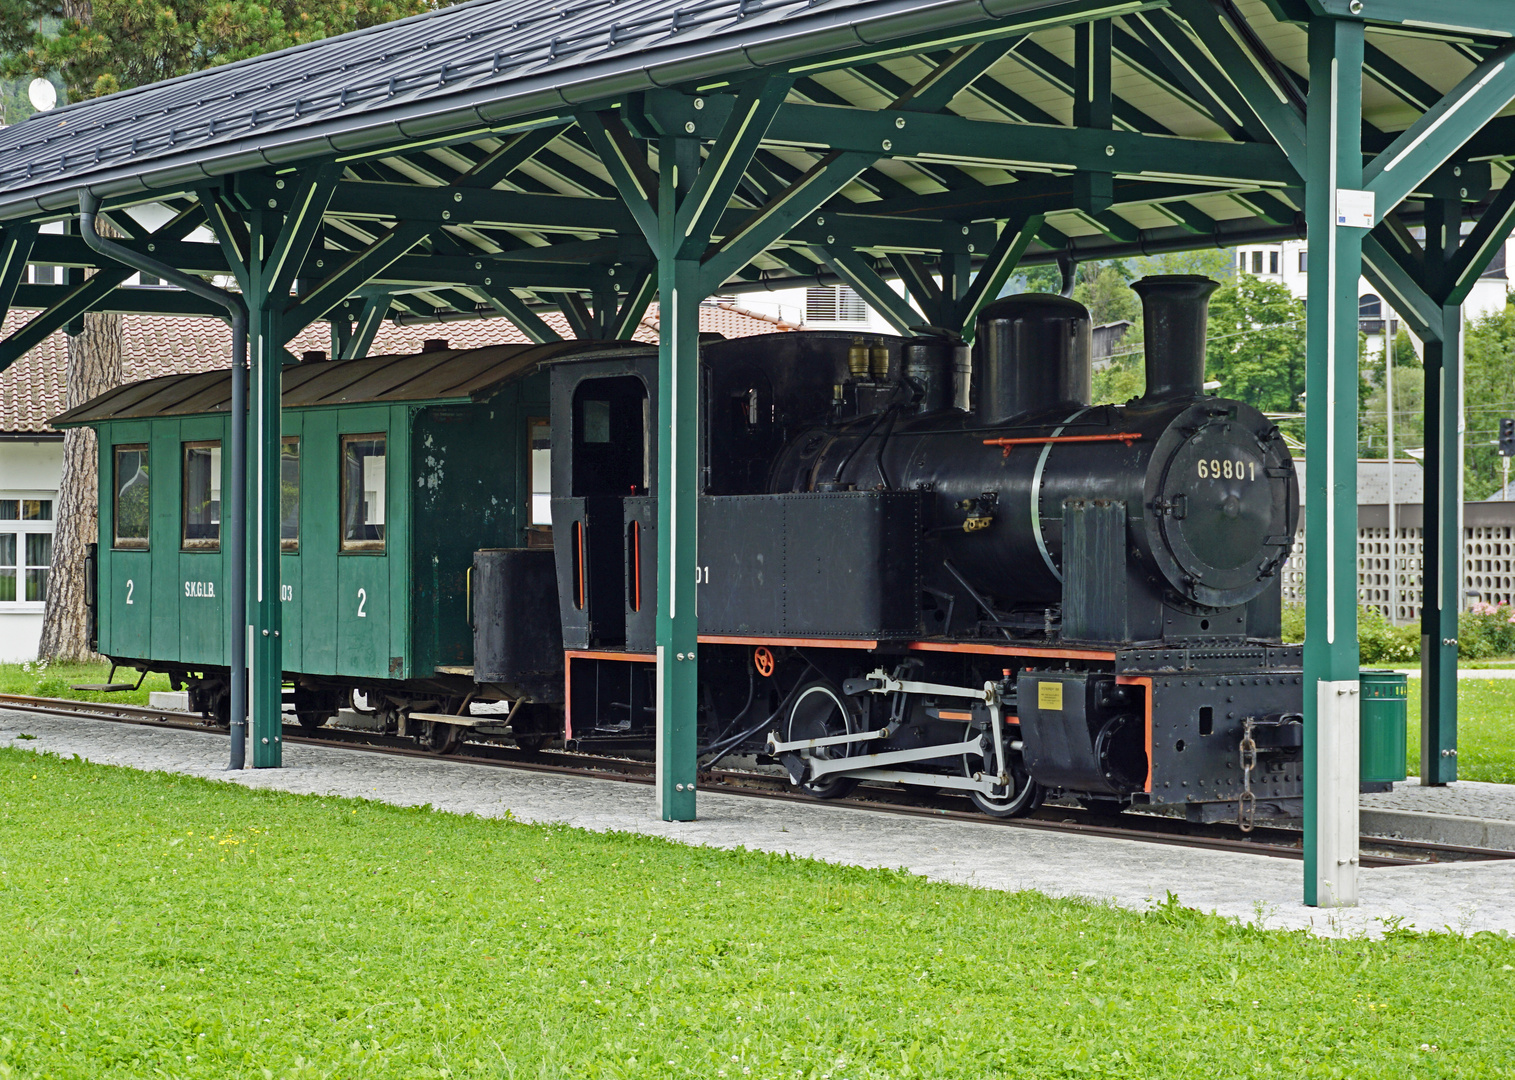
(289, 495)
(202, 496)
(131, 510)
(363, 493)
(539, 432)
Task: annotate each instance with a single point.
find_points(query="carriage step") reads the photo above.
(103, 687)
(460, 721)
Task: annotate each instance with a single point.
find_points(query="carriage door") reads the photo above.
(609, 465)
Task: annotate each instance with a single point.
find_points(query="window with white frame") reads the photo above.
(26, 549)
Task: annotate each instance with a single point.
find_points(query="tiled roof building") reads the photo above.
(33, 389)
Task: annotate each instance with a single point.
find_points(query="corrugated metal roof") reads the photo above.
(474, 66)
(443, 375)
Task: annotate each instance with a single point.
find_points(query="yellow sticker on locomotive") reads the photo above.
(1049, 695)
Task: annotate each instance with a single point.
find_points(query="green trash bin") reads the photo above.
(1384, 720)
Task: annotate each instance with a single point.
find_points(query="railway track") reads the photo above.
(1149, 828)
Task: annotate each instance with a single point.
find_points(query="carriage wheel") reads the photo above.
(442, 738)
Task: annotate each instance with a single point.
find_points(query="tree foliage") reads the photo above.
(1105, 289)
(112, 45)
(1256, 348)
(1409, 401)
(1488, 396)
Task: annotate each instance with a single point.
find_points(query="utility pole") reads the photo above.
(1506, 450)
(1388, 387)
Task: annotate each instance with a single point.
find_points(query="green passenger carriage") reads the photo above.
(394, 471)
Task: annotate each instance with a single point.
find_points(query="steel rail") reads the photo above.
(1145, 828)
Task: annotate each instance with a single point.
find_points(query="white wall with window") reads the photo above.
(29, 470)
(826, 307)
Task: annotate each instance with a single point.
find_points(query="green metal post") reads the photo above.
(1331, 652)
(1093, 107)
(1442, 555)
(265, 656)
(679, 296)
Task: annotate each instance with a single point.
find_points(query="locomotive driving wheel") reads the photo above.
(819, 712)
(1021, 797)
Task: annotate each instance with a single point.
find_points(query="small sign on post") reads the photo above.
(1355, 209)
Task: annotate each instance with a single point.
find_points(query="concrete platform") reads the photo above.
(1252, 888)
(1467, 813)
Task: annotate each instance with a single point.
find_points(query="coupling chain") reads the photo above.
(1246, 806)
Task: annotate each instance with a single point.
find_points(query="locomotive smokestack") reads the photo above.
(1176, 310)
(1031, 354)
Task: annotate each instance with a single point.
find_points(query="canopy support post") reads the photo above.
(276, 243)
(265, 619)
(1331, 688)
(1441, 598)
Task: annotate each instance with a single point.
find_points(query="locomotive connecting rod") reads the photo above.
(89, 206)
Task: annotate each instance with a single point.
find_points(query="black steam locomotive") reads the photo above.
(922, 567)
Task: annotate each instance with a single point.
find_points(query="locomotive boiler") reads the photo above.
(1167, 518)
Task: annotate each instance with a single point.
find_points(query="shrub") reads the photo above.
(1379, 641)
(1486, 630)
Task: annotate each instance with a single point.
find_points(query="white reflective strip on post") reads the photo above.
(1331, 289)
(1337, 784)
(657, 745)
(1459, 600)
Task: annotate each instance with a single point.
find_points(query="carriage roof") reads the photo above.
(436, 375)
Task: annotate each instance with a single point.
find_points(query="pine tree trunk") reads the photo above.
(94, 366)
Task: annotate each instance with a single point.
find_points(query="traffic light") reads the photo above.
(1507, 438)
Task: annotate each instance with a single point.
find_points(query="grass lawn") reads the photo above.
(1485, 729)
(157, 926)
(54, 680)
